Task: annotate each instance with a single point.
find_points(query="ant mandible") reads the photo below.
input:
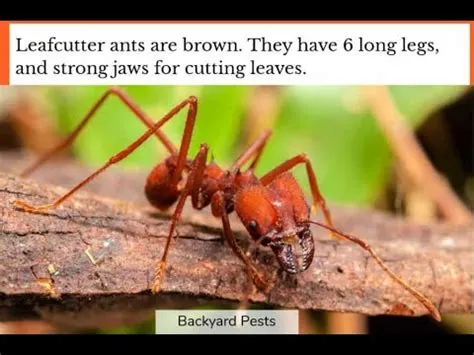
(272, 208)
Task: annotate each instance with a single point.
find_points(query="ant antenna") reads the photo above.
(426, 302)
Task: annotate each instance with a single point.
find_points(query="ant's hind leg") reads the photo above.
(127, 101)
(116, 158)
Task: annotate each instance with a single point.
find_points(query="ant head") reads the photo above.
(270, 219)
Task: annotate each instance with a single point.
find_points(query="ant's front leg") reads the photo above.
(318, 199)
(254, 274)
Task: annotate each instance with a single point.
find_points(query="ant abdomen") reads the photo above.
(159, 189)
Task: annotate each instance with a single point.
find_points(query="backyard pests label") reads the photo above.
(226, 322)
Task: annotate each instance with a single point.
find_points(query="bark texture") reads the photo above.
(91, 261)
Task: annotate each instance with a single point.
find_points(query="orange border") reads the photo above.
(243, 22)
(4, 53)
(472, 54)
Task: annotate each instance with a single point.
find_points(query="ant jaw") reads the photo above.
(285, 251)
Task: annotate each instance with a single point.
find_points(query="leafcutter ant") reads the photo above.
(272, 207)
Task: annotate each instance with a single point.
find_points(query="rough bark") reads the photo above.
(46, 272)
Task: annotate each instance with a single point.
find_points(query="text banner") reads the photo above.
(239, 53)
(227, 322)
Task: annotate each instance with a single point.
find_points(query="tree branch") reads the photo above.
(91, 261)
(413, 159)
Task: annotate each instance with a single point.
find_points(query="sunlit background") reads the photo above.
(334, 126)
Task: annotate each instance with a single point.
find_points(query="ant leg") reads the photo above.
(142, 116)
(255, 148)
(251, 253)
(245, 301)
(114, 159)
(199, 165)
(229, 236)
(420, 297)
(193, 183)
(185, 142)
(318, 199)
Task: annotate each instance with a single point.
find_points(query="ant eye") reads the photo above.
(253, 225)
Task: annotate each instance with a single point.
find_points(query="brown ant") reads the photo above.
(272, 208)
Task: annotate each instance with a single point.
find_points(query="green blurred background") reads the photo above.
(330, 124)
(333, 125)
